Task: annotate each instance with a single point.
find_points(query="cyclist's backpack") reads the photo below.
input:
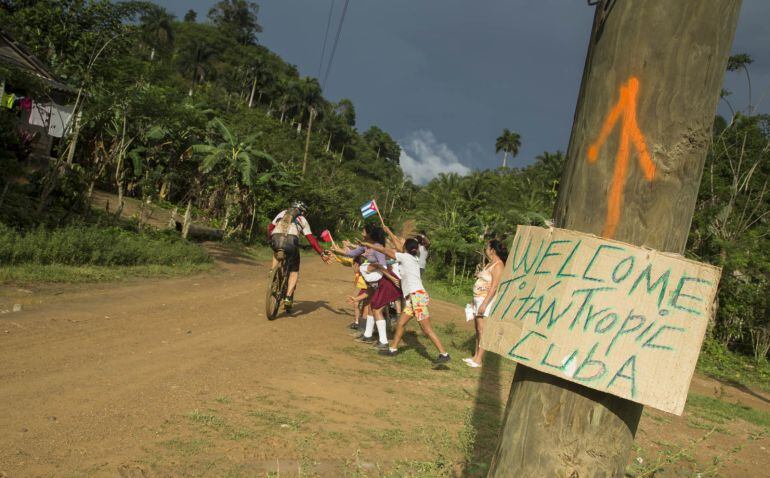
(281, 238)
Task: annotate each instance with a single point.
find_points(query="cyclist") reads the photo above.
(284, 234)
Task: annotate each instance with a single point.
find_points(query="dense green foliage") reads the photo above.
(159, 94)
(197, 111)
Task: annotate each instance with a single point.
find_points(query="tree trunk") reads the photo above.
(5, 191)
(505, 159)
(119, 168)
(253, 89)
(307, 139)
(675, 53)
(75, 127)
(253, 217)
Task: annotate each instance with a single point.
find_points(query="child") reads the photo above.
(361, 293)
(415, 296)
(360, 285)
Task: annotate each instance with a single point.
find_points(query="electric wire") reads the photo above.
(326, 37)
(336, 40)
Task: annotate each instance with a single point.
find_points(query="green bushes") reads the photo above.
(98, 246)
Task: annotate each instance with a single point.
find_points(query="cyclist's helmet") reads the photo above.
(300, 206)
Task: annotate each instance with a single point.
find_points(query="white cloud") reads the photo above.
(423, 157)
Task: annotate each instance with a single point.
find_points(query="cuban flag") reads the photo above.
(369, 209)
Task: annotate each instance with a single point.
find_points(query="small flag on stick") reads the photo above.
(369, 209)
(326, 236)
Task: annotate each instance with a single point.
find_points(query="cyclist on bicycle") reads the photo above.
(284, 234)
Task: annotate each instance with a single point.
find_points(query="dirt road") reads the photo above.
(186, 377)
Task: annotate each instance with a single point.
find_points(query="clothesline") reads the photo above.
(54, 117)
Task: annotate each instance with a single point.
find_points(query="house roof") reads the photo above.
(16, 55)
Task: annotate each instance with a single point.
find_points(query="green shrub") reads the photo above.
(98, 246)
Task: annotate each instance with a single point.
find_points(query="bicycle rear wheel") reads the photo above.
(275, 290)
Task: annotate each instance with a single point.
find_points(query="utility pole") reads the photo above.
(642, 127)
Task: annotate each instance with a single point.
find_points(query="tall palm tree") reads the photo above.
(509, 143)
(195, 60)
(742, 61)
(157, 29)
(311, 98)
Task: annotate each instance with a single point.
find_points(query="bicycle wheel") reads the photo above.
(275, 290)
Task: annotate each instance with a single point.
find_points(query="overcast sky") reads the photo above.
(444, 77)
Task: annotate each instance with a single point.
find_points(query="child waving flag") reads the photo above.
(417, 298)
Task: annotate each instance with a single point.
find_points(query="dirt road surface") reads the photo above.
(186, 377)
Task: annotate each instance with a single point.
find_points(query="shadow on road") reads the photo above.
(411, 340)
(743, 388)
(307, 307)
(487, 417)
(228, 255)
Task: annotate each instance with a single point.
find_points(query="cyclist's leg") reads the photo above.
(293, 266)
(293, 278)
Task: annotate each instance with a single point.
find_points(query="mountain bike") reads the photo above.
(277, 284)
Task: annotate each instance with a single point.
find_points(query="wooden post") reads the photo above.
(187, 219)
(172, 221)
(641, 130)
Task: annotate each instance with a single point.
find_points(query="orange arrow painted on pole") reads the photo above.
(624, 110)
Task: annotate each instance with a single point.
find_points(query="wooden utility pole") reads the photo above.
(641, 131)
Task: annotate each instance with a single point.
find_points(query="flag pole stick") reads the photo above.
(377, 208)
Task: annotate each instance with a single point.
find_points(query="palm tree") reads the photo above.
(509, 143)
(736, 62)
(157, 29)
(195, 60)
(311, 98)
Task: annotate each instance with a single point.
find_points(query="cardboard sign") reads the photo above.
(611, 316)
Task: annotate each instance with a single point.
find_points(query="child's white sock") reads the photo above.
(369, 330)
(382, 331)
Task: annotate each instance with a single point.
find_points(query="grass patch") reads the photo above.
(187, 447)
(720, 412)
(258, 253)
(719, 363)
(291, 422)
(96, 245)
(388, 437)
(205, 419)
(421, 469)
(239, 434)
(57, 273)
(458, 294)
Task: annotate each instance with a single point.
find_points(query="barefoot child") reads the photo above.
(415, 296)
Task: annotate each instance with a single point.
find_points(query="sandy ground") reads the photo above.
(186, 377)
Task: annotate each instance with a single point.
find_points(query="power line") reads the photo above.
(336, 40)
(326, 37)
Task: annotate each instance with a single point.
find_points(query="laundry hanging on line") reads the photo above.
(40, 115)
(7, 100)
(61, 120)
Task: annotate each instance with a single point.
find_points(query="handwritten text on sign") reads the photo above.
(608, 315)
